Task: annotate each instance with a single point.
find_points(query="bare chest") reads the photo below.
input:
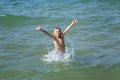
(58, 41)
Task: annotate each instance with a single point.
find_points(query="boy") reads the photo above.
(58, 36)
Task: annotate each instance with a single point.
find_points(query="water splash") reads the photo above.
(53, 56)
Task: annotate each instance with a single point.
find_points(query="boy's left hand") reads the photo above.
(75, 21)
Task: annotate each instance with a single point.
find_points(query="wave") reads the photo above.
(14, 17)
(8, 19)
(20, 19)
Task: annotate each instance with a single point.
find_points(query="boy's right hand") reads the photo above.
(38, 28)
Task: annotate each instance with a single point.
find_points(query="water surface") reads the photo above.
(94, 42)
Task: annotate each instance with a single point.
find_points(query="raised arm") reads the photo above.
(45, 32)
(71, 25)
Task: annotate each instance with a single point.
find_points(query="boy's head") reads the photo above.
(57, 32)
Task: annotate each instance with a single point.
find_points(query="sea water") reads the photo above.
(92, 45)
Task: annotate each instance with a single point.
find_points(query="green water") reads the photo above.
(94, 41)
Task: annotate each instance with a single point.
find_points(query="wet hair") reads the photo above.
(58, 28)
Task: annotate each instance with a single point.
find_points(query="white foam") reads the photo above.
(52, 56)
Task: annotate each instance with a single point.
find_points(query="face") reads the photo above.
(57, 32)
